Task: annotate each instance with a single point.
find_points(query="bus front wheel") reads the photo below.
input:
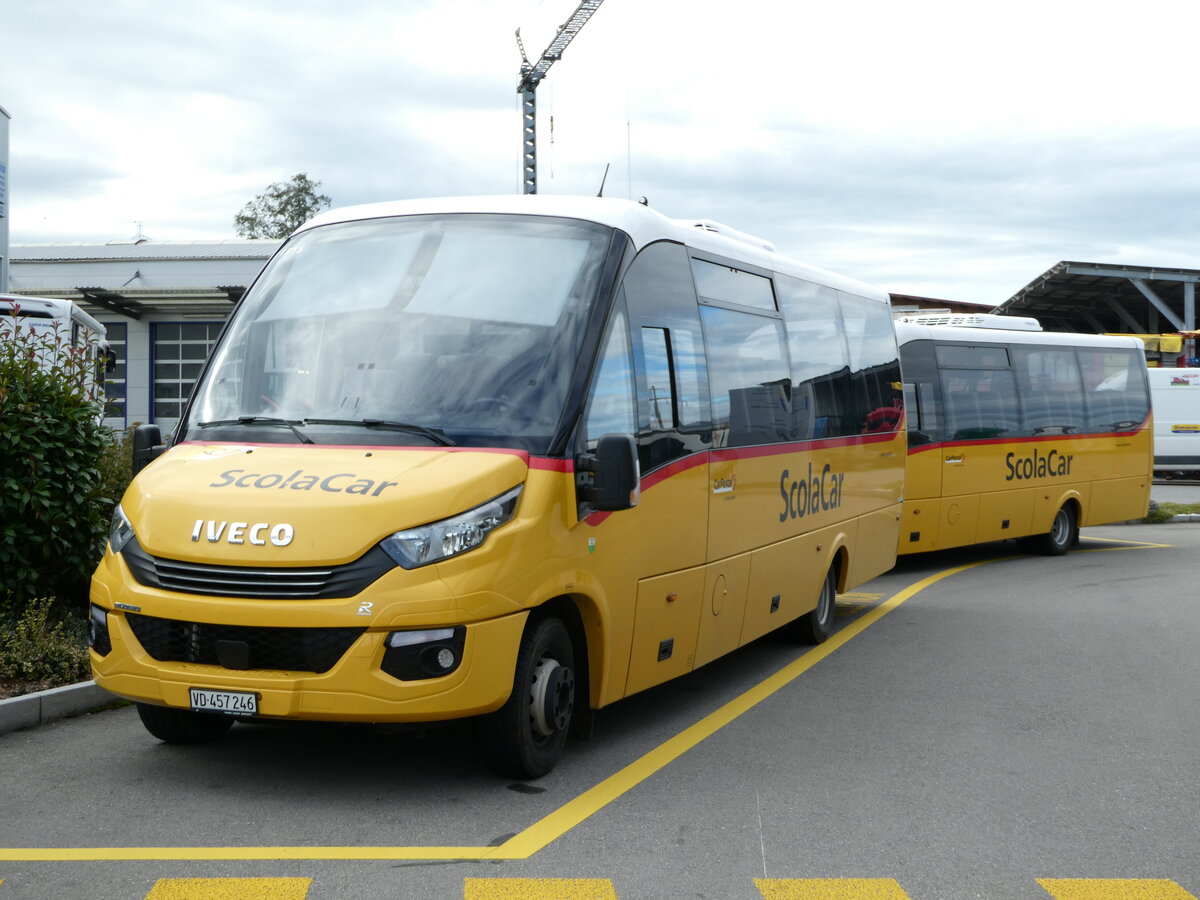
(182, 726)
(525, 737)
(1062, 536)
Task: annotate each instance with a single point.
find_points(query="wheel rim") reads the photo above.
(825, 602)
(1061, 530)
(551, 697)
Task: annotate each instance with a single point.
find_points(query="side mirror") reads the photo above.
(147, 446)
(610, 478)
(110, 360)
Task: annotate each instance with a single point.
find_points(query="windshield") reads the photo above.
(398, 331)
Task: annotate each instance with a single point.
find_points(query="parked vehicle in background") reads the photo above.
(1175, 396)
(513, 458)
(58, 328)
(1020, 433)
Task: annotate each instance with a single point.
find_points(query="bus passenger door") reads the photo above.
(752, 426)
(922, 511)
(674, 435)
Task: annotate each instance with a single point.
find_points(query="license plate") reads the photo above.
(233, 703)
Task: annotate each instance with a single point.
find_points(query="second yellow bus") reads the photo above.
(1020, 433)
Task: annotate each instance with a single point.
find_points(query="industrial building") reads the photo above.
(163, 303)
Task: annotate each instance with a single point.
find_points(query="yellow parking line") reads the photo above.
(1129, 545)
(1114, 889)
(229, 889)
(551, 827)
(566, 817)
(539, 889)
(830, 889)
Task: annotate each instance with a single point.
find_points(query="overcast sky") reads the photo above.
(944, 148)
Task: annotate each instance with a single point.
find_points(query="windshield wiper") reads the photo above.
(261, 420)
(435, 435)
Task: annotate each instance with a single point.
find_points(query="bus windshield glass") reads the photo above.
(417, 330)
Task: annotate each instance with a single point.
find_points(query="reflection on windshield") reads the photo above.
(469, 325)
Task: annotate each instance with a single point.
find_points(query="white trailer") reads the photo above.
(60, 320)
(1175, 397)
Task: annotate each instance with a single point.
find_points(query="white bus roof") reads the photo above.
(910, 331)
(643, 225)
(52, 308)
(973, 320)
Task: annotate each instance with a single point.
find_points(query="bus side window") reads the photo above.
(610, 406)
(673, 414)
(751, 386)
(874, 363)
(820, 360)
(1051, 389)
(1115, 389)
(657, 353)
(922, 388)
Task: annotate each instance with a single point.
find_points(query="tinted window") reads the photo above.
(729, 285)
(751, 386)
(820, 360)
(961, 356)
(611, 407)
(923, 393)
(668, 353)
(1051, 390)
(1116, 394)
(874, 364)
(659, 387)
(979, 403)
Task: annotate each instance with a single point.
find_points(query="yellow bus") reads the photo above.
(509, 458)
(1020, 433)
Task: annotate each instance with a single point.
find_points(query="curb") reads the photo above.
(42, 707)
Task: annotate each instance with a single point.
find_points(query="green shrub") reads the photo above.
(39, 647)
(53, 512)
(116, 464)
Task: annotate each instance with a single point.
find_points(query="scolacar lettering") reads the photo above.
(811, 494)
(341, 482)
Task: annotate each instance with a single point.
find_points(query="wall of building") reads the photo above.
(163, 304)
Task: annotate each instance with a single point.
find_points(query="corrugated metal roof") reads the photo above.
(144, 250)
(1106, 298)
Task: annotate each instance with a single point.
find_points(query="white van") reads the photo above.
(1175, 397)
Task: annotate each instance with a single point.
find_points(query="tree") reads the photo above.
(281, 208)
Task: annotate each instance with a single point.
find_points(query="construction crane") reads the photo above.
(532, 75)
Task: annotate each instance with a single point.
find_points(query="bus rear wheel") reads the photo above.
(182, 726)
(525, 737)
(1062, 536)
(815, 627)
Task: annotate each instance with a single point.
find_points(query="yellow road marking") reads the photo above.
(566, 817)
(229, 889)
(539, 889)
(830, 889)
(1114, 889)
(1128, 545)
(556, 824)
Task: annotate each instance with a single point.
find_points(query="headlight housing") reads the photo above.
(120, 532)
(436, 541)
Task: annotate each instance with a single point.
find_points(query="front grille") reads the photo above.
(257, 582)
(243, 647)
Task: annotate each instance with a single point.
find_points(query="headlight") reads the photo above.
(120, 532)
(440, 540)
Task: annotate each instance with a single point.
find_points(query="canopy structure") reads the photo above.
(1104, 298)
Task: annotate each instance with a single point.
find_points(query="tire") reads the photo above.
(1062, 536)
(816, 626)
(182, 726)
(525, 737)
